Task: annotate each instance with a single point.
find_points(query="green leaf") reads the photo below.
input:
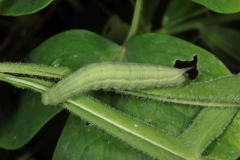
(132, 131)
(20, 123)
(92, 143)
(184, 24)
(22, 7)
(165, 50)
(221, 92)
(221, 6)
(75, 49)
(227, 144)
(66, 49)
(224, 43)
(178, 11)
(158, 45)
(145, 137)
(139, 125)
(171, 118)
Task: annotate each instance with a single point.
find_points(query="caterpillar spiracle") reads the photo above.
(118, 76)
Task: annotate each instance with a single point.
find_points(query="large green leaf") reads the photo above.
(167, 127)
(227, 145)
(171, 118)
(221, 6)
(92, 143)
(22, 7)
(20, 123)
(145, 137)
(65, 49)
(75, 49)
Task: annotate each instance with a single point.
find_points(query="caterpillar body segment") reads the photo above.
(118, 76)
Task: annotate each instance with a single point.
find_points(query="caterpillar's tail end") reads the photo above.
(184, 70)
(45, 99)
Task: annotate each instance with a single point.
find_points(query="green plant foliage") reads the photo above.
(60, 57)
(224, 43)
(88, 142)
(21, 123)
(197, 120)
(22, 7)
(221, 6)
(157, 135)
(185, 9)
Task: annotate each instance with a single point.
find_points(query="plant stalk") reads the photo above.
(135, 21)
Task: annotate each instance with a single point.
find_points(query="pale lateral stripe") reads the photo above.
(124, 128)
(98, 115)
(28, 83)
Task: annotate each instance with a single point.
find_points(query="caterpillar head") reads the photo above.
(45, 99)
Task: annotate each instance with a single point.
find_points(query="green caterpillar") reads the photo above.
(119, 76)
